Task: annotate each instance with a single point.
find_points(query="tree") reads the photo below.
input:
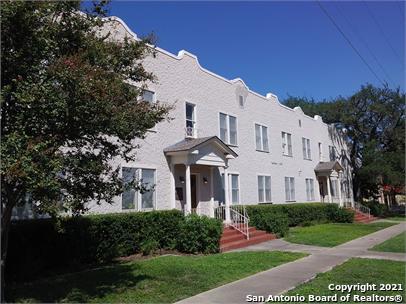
(373, 120)
(67, 108)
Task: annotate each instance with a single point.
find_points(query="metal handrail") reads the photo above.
(238, 216)
(362, 208)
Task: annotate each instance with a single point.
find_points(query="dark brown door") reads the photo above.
(193, 190)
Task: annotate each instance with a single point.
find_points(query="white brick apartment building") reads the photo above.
(268, 152)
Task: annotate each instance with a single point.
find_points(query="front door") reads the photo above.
(193, 190)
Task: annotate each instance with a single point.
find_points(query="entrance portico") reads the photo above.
(329, 177)
(194, 164)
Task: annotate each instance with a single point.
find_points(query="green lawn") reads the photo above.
(396, 218)
(330, 235)
(353, 272)
(157, 280)
(395, 244)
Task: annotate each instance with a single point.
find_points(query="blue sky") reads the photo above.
(281, 47)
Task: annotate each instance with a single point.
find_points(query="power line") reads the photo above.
(354, 30)
(382, 31)
(349, 42)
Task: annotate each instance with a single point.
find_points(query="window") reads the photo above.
(241, 101)
(320, 152)
(148, 96)
(310, 189)
(132, 199)
(300, 123)
(332, 153)
(287, 144)
(228, 129)
(190, 120)
(334, 188)
(306, 148)
(261, 138)
(290, 189)
(235, 189)
(264, 189)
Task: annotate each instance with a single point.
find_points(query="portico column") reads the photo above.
(329, 190)
(340, 199)
(226, 192)
(211, 193)
(188, 190)
(173, 203)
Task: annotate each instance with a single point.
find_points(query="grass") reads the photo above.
(356, 271)
(396, 218)
(395, 244)
(333, 234)
(157, 280)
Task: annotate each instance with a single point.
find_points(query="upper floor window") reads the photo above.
(306, 148)
(300, 123)
(228, 129)
(261, 138)
(148, 96)
(190, 120)
(320, 151)
(264, 189)
(241, 101)
(310, 189)
(332, 153)
(286, 144)
(289, 189)
(134, 199)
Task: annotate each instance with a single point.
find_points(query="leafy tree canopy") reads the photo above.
(67, 108)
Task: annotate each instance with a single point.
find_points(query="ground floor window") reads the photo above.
(289, 189)
(264, 189)
(133, 199)
(235, 189)
(310, 189)
(334, 188)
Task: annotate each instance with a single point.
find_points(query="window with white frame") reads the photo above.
(190, 120)
(332, 153)
(334, 188)
(228, 129)
(289, 189)
(148, 96)
(310, 189)
(264, 189)
(261, 138)
(235, 188)
(306, 148)
(320, 151)
(134, 199)
(286, 144)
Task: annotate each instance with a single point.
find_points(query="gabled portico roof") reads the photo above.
(191, 144)
(328, 166)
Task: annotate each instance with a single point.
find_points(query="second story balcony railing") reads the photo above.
(190, 132)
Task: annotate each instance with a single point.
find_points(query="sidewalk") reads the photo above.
(287, 276)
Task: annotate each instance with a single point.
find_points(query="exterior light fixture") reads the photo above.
(205, 181)
(181, 179)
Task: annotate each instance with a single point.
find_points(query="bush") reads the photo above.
(271, 221)
(200, 234)
(377, 209)
(38, 247)
(296, 214)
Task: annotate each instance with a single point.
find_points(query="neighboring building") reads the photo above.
(227, 143)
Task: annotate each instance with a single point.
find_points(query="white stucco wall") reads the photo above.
(181, 79)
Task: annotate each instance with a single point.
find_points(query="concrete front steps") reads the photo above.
(233, 239)
(361, 217)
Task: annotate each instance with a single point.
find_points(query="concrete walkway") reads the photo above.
(282, 278)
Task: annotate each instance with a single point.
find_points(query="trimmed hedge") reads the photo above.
(278, 218)
(39, 246)
(199, 234)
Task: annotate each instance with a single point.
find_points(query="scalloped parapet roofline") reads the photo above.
(182, 53)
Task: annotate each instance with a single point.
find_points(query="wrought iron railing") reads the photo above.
(362, 208)
(239, 218)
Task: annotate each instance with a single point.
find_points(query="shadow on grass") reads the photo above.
(78, 287)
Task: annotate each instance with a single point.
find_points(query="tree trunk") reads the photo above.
(5, 229)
